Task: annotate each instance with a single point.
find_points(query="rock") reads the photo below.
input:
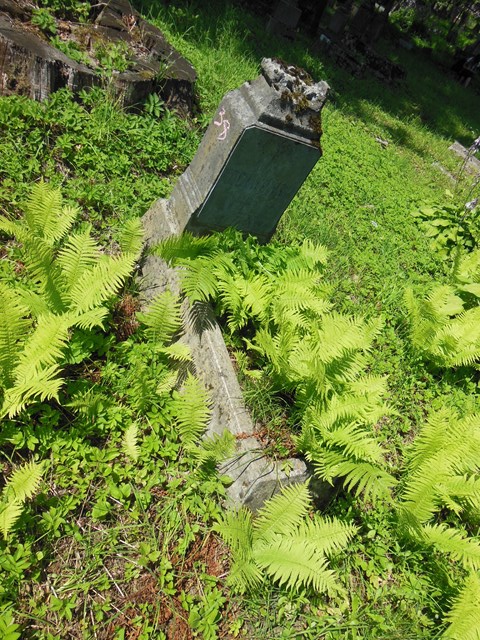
(30, 66)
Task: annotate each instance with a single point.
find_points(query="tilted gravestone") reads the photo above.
(255, 155)
(260, 147)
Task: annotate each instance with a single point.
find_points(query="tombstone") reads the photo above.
(285, 18)
(260, 147)
(262, 144)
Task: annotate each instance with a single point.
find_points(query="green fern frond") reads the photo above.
(354, 442)
(200, 280)
(130, 442)
(467, 268)
(185, 247)
(464, 616)
(23, 482)
(452, 541)
(39, 258)
(190, 407)
(37, 303)
(167, 383)
(216, 449)
(45, 214)
(100, 282)
(163, 318)
(45, 385)
(37, 366)
(367, 478)
(458, 342)
(13, 327)
(244, 575)
(9, 514)
(130, 237)
(90, 319)
(235, 527)
(79, 254)
(329, 535)
(313, 254)
(282, 513)
(294, 561)
(16, 229)
(178, 351)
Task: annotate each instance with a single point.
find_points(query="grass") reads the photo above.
(113, 548)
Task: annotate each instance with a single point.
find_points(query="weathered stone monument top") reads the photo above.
(261, 145)
(297, 102)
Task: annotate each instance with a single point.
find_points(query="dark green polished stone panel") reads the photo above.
(261, 176)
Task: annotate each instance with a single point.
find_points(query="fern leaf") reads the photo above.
(37, 303)
(9, 514)
(129, 443)
(464, 616)
(90, 319)
(313, 254)
(23, 482)
(186, 246)
(78, 254)
(163, 318)
(178, 351)
(215, 449)
(13, 326)
(99, 283)
(235, 527)
(200, 280)
(329, 535)
(40, 263)
(16, 229)
(295, 562)
(282, 513)
(452, 541)
(364, 477)
(190, 407)
(244, 574)
(38, 364)
(45, 214)
(167, 383)
(130, 238)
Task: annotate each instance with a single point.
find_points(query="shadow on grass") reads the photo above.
(429, 92)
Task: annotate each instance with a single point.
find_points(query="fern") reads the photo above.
(190, 407)
(129, 443)
(70, 282)
(464, 616)
(162, 319)
(13, 326)
(443, 465)
(445, 326)
(21, 485)
(452, 541)
(282, 544)
(131, 237)
(276, 297)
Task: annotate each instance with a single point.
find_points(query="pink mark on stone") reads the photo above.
(223, 122)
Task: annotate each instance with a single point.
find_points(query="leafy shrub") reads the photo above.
(449, 226)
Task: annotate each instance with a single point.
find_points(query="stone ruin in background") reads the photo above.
(31, 66)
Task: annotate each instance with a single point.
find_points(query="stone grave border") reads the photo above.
(255, 477)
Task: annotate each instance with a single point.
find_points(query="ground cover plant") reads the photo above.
(115, 540)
